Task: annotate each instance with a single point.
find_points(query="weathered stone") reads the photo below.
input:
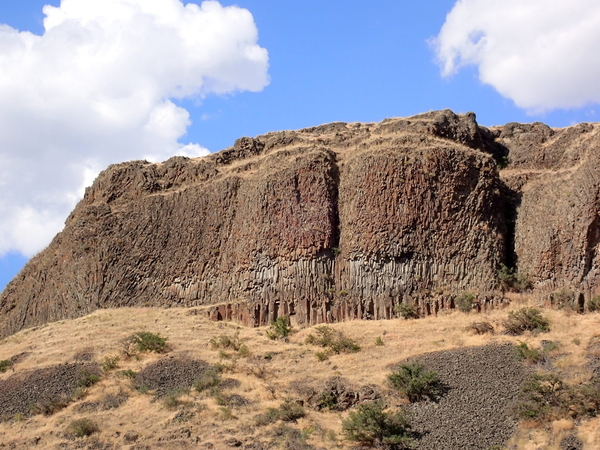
(556, 176)
(336, 222)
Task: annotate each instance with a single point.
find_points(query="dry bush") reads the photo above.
(480, 327)
(82, 427)
(257, 366)
(224, 341)
(288, 411)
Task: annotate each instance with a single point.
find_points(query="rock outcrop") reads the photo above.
(555, 175)
(327, 223)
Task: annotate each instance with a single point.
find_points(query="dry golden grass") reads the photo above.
(266, 383)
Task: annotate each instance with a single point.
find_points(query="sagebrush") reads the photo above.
(372, 425)
(82, 427)
(144, 341)
(280, 328)
(333, 340)
(526, 319)
(415, 382)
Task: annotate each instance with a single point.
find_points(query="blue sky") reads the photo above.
(327, 61)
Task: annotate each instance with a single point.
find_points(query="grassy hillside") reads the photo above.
(255, 392)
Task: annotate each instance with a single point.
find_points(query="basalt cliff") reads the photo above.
(345, 220)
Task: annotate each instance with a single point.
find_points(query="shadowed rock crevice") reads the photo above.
(512, 200)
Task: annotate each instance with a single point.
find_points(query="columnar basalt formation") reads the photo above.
(556, 177)
(327, 223)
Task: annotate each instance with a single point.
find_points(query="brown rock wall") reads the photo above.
(557, 232)
(328, 223)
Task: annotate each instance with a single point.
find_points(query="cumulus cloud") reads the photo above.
(542, 54)
(100, 86)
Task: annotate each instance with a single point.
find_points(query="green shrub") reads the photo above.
(334, 341)
(280, 328)
(87, 379)
(226, 342)
(322, 356)
(528, 353)
(526, 319)
(371, 425)
(563, 299)
(502, 162)
(110, 362)
(506, 276)
(327, 400)
(171, 400)
(226, 413)
(378, 341)
(415, 382)
(5, 365)
(288, 411)
(406, 311)
(289, 438)
(82, 427)
(594, 304)
(148, 342)
(220, 398)
(244, 351)
(546, 397)
(344, 344)
(511, 281)
(323, 337)
(127, 373)
(209, 379)
(465, 302)
(50, 405)
(540, 396)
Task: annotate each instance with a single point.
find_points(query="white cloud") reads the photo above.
(97, 88)
(542, 54)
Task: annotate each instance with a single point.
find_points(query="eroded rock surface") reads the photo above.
(327, 223)
(555, 174)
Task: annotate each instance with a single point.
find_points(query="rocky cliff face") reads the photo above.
(327, 223)
(555, 175)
